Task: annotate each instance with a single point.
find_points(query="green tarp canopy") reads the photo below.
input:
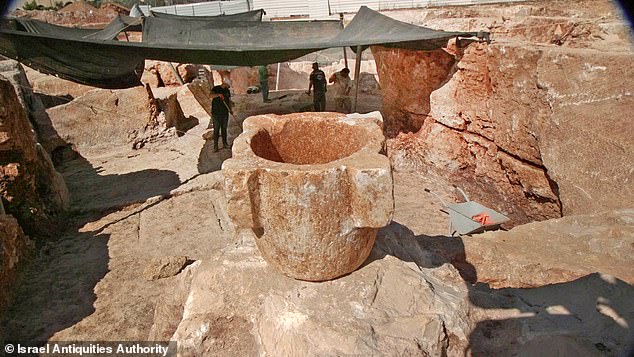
(110, 32)
(118, 64)
(255, 15)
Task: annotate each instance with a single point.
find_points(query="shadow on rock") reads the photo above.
(585, 317)
(71, 268)
(92, 191)
(588, 316)
(208, 160)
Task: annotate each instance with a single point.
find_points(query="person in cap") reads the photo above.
(343, 85)
(317, 82)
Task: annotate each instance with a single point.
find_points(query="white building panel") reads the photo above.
(315, 9)
(282, 8)
(211, 8)
(319, 9)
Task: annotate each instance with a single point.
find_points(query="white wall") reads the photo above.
(318, 9)
(211, 8)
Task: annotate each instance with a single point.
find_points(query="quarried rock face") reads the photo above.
(407, 78)
(535, 124)
(166, 119)
(587, 143)
(313, 187)
(479, 126)
(32, 190)
(119, 117)
(159, 74)
(242, 78)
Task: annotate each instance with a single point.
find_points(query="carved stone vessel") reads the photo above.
(314, 187)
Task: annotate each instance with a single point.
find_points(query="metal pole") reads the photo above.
(357, 70)
(345, 55)
(277, 77)
(176, 74)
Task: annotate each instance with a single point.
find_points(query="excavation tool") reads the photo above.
(470, 217)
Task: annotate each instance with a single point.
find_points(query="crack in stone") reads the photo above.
(501, 149)
(138, 227)
(218, 220)
(377, 284)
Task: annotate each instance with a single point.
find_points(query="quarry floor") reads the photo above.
(129, 206)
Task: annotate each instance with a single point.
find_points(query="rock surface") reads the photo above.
(548, 252)
(32, 190)
(74, 14)
(164, 267)
(13, 247)
(135, 206)
(166, 121)
(119, 117)
(55, 88)
(587, 145)
(113, 114)
(514, 123)
(387, 307)
(159, 74)
(314, 187)
(405, 300)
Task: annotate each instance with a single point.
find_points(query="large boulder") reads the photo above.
(407, 78)
(548, 252)
(32, 190)
(119, 117)
(515, 122)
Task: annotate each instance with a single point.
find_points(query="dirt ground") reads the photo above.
(129, 206)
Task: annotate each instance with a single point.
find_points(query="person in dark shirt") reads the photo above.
(220, 109)
(317, 80)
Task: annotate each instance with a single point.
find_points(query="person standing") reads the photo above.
(263, 75)
(343, 85)
(317, 80)
(220, 109)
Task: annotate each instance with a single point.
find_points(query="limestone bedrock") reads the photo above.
(314, 187)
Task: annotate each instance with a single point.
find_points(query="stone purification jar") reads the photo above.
(314, 187)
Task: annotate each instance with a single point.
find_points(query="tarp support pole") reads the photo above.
(176, 74)
(277, 77)
(357, 70)
(345, 55)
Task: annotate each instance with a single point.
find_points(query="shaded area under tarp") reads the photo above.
(255, 15)
(97, 64)
(104, 63)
